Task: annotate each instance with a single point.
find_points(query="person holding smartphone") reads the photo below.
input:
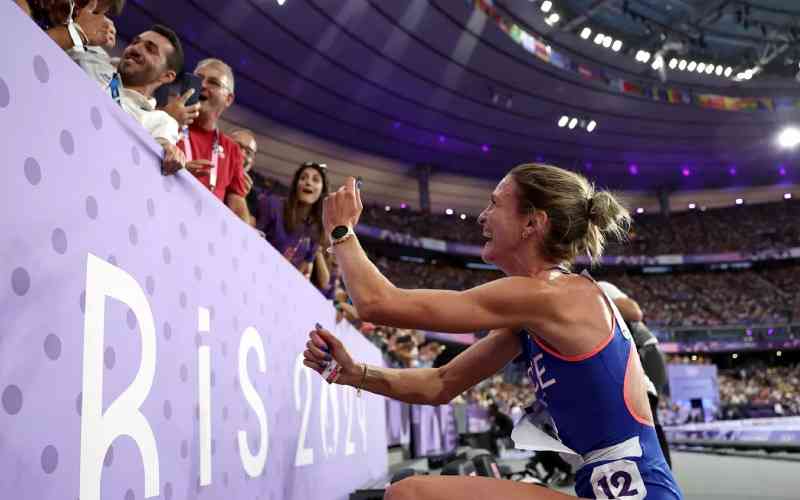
(212, 156)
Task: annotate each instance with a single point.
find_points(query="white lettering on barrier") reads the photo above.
(303, 456)
(253, 464)
(330, 393)
(123, 416)
(204, 396)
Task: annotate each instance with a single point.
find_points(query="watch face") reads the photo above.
(339, 232)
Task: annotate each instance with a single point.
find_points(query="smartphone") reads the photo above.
(404, 339)
(181, 84)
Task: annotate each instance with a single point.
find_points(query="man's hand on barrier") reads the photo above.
(322, 348)
(174, 159)
(198, 167)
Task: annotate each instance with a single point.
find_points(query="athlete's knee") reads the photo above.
(409, 488)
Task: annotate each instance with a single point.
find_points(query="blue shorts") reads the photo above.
(635, 478)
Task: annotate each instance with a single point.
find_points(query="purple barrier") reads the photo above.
(150, 342)
(398, 423)
(434, 430)
(477, 419)
(728, 345)
(774, 430)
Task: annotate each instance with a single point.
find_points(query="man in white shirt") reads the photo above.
(152, 59)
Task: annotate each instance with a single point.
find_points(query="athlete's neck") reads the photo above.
(529, 267)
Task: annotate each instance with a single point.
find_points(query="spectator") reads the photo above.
(502, 425)
(246, 140)
(213, 157)
(75, 24)
(152, 59)
(294, 225)
(94, 59)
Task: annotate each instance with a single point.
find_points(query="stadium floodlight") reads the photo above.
(710, 69)
(586, 33)
(607, 41)
(692, 65)
(617, 46)
(573, 123)
(739, 201)
(553, 18)
(672, 63)
(591, 126)
(692, 206)
(718, 71)
(701, 67)
(388, 208)
(463, 216)
(728, 72)
(640, 210)
(598, 38)
(546, 6)
(789, 138)
(682, 64)
(562, 122)
(449, 211)
(787, 196)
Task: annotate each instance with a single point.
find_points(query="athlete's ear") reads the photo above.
(537, 223)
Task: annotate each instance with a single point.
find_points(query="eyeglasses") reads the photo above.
(214, 82)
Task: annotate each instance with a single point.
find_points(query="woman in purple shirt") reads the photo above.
(293, 225)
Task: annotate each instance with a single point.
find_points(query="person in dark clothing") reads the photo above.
(502, 425)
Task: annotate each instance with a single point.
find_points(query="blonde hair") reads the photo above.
(580, 217)
(221, 65)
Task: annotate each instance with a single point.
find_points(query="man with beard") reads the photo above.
(213, 157)
(152, 59)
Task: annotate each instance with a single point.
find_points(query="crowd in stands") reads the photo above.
(690, 299)
(751, 390)
(758, 385)
(745, 228)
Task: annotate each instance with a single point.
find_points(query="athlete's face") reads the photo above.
(502, 223)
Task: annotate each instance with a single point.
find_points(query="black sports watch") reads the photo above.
(339, 232)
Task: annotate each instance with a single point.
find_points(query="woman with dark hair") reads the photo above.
(75, 22)
(294, 225)
(587, 381)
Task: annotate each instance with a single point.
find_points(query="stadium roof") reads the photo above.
(441, 82)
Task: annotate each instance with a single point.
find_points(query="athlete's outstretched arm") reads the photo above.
(418, 385)
(508, 302)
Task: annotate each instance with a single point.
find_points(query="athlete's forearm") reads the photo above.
(411, 385)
